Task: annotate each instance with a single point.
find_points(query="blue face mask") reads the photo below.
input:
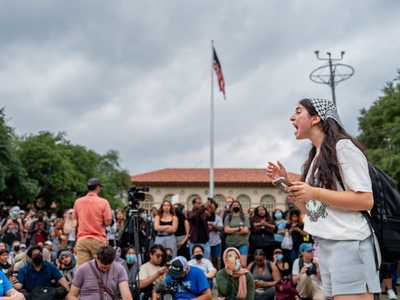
(278, 215)
(131, 259)
(279, 257)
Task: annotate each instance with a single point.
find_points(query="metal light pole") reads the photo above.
(337, 72)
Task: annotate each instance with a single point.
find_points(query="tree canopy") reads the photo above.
(49, 167)
(380, 129)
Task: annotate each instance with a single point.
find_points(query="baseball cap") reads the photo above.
(179, 266)
(94, 182)
(306, 247)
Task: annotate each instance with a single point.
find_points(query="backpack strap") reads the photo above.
(102, 286)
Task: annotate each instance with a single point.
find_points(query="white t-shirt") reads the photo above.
(215, 237)
(205, 265)
(335, 224)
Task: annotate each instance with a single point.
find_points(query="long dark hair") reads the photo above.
(257, 216)
(325, 170)
(160, 212)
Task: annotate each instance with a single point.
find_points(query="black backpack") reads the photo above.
(384, 217)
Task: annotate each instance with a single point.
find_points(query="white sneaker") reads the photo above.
(391, 294)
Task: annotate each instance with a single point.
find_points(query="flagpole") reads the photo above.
(211, 171)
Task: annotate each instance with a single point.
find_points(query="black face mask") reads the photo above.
(198, 256)
(37, 260)
(236, 209)
(16, 248)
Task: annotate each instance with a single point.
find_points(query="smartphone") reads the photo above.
(281, 183)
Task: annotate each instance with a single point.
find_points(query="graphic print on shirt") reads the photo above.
(315, 210)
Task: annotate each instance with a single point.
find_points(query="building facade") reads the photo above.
(252, 187)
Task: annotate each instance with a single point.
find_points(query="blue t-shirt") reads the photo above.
(30, 278)
(5, 284)
(195, 282)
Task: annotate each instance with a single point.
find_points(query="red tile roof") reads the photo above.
(199, 176)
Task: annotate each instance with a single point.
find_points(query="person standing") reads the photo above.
(165, 225)
(198, 219)
(92, 214)
(236, 227)
(334, 189)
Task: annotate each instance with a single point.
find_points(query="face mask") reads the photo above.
(169, 257)
(278, 215)
(279, 257)
(16, 248)
(37, 260)
(198, 256)
(14, 215)
(236, 209)
(131, 259)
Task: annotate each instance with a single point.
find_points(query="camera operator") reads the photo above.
(306, 274)
(185, 282)
(198, 220)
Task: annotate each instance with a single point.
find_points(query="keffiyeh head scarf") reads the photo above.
(325, 109)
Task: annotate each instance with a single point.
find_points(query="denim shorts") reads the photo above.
(216, 250)
(348, 267)
(243, 249)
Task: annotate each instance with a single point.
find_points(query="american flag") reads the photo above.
(218, 70)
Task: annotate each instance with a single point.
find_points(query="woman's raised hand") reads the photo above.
(276, 170)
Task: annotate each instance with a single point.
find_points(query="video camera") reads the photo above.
(311, 270)
(135, 195)
(167, 291)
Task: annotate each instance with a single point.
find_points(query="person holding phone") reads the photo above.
(334, 189)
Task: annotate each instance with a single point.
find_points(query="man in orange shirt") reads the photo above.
(93, 214)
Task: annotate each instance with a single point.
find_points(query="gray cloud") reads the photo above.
(135, 77)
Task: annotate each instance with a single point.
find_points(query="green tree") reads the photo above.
(15, 185)
(62, 169)
(380, 129)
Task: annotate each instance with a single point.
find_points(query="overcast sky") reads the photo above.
(134, 76)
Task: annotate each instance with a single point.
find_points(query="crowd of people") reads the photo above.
(206, 252)
(320, 248)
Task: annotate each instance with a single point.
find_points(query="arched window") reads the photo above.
(220, 199)
(168, 197)
(148, 202)
(189, 200)
(245, 201)
(268, 201)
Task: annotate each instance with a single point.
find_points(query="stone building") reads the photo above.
(252, 187)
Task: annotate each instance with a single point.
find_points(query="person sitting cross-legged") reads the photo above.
(100, 278)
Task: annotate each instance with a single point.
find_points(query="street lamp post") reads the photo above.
(337, 72)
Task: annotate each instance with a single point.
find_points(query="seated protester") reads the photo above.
(204, 264)
(153, 271)
(15, 250)
(234, 282)
(265, 274)
(13, 227)
(306, 274)
(67, 265)
(131, 266)
(39, 230)
(189, 281)
(281, 264)
(39, 273)
(100, 278)
(6, 289)
(5, 267)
